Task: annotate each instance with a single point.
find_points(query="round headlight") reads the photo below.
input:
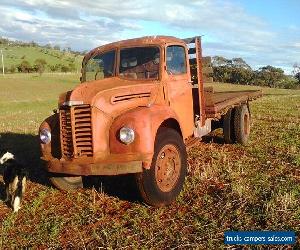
(126, 135)
(45, 136)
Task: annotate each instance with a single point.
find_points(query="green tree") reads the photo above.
(289, 83)
(52, 68)
(270, 76)
(297, 76)
(296, 71)
(40, 65)
(240, 63)
(218, 61)
(24, 67)
(241, 75)
(33, 44)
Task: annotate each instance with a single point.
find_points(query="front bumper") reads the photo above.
(102, 168)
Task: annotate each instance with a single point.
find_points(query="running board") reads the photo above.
(200, 131)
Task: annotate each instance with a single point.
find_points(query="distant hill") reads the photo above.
(16, 52)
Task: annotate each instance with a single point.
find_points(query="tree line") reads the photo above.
(39, 66)
(237, 71)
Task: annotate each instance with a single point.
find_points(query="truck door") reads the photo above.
(179, 87)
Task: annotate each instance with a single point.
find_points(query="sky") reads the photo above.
(261, 32)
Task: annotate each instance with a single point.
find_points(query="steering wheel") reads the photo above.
(96, 75)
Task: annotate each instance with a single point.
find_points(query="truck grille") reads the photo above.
(76, 131)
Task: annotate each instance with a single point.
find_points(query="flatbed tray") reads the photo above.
(217, 103)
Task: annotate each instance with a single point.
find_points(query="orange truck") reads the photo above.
(140, 103)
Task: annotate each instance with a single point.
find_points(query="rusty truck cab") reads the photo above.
(141, 84)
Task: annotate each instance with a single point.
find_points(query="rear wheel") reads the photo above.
(242, 124)
(161, 184)
(67, 183)
(228, 127)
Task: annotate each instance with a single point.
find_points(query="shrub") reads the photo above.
(52, 68)
(289, 83)
(65, 69)
(24, 67)
(40, 65)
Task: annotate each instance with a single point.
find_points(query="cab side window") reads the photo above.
(176, 61)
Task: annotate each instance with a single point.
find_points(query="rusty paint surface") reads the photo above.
(180, 100)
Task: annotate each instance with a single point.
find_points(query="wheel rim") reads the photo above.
(167, 167)
(246, 124)
(73, 179)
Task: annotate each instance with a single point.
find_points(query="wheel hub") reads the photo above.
(167, 168)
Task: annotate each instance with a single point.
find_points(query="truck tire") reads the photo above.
(242, 124)
(66, 183)
(228, 127)
(161, 184)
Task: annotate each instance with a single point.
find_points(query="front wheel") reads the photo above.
(161, 184)
(67, 183)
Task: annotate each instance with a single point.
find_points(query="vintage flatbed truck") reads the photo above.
(140, 103)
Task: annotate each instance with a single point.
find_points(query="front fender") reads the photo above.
(145, 121)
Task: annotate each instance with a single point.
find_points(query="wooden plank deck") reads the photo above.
(217, 103)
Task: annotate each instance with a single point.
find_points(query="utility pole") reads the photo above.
(2, 59)
(2, 62)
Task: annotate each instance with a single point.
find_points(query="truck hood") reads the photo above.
(113, 94)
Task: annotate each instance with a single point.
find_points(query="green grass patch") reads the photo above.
(14, 55)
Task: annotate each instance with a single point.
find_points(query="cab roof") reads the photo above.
(155, 40)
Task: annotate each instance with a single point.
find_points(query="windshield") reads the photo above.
(100, 66)
(139, 63)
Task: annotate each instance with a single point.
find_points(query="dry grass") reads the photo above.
(229, 187)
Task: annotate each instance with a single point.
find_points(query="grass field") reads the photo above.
(14, 55)
(228, 187)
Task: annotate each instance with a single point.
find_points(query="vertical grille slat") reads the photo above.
(76, 131)
(66, 133)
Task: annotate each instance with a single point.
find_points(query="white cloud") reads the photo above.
(296, 45)
(82, 24)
